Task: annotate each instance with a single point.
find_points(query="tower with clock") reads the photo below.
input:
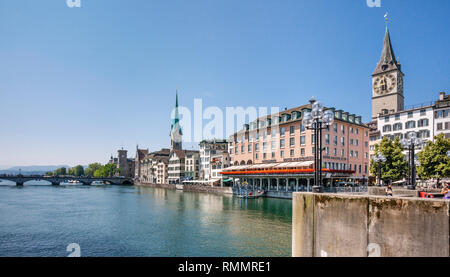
(387, 82)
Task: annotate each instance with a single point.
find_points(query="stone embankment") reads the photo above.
(191, 188)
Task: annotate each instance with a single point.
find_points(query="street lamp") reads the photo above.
(317, 120)
(379, 158)
(410, 143)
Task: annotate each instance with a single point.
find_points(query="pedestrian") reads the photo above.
(445, 191)
(389, 191)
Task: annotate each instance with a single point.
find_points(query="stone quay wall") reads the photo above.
(192, 188)
(208, 189)
(336, 225)
(151, 185)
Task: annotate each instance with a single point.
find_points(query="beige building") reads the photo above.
(153, 168)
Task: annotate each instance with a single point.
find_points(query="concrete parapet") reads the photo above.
(348, 225)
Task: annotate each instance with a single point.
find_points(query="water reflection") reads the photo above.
(136, 221)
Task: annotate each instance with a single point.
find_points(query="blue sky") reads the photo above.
(78, 83)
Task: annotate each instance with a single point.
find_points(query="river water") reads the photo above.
(42, 220)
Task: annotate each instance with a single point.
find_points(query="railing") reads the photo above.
(360, 189)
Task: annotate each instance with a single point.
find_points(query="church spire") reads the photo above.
(175, 129)
(387, 61)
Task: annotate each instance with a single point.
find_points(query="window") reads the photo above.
(302, 151)
(282, 131)
(343, 129)
(439, 126)
(342, 141)
(282, 143)
(292, 152)
(273, 145)
(264, 146)
(264, 155)
(302, 140)
(273, 155)
(250, 137)
(327, 139)
(351, 153)
(357, 131)
(242, 149)
(386, 119)
(351, 130)
(387, 128)
(356, 154)
(256, 156)
(342, 153)
(397, 116)
(335, 127)
(357, 142)
(313, 140)
(351, 141)
(256, 147)
(335, 140)
(249, 148)
(398, 126)
(302, 128)
(291, 130)
(410, 124)
(423, 112)
(410, 114)
(292, 142)
(335, 151)
(422, 122)
(282, 153)
(274, 132)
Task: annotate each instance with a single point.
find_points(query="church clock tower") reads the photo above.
(387, 82)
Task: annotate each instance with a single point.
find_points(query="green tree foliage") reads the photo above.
(106, 170)
(49, 173)
(396, 166)
(433, 159)
(60, 171)
(78, 170)
(91, 169)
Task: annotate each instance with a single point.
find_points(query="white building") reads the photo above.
(442, 115)
(398, 124)
(208, 148)
(218, 163)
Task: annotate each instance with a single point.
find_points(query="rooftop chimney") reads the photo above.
(441, 95)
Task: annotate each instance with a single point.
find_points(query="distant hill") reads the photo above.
(32, 169)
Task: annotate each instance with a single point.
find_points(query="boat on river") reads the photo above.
(251, 194)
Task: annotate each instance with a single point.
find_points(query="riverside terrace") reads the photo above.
(282, 179)
(56, 180)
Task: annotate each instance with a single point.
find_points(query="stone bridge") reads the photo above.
(56, 180)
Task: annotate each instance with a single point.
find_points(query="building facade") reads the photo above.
(124, 164)
(442, 115)
(192, 165)
(209, 148)
(280, 145)
(154, 167)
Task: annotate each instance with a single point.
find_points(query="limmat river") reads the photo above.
(120, 221)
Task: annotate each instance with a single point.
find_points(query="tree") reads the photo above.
(395, 166)
(48, 173)
(91, 169)
(433, 159)
(60, 171)
(78, 170)
(106, 170)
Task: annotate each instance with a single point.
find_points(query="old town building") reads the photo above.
(123, 163)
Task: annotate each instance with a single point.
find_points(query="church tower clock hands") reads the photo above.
(387, 82)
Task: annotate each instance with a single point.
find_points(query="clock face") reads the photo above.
(384, 84)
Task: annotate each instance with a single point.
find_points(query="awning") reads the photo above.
(228, 180)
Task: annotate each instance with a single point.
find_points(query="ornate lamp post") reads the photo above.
(379, 158)
(317, 120)
(410, 143)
